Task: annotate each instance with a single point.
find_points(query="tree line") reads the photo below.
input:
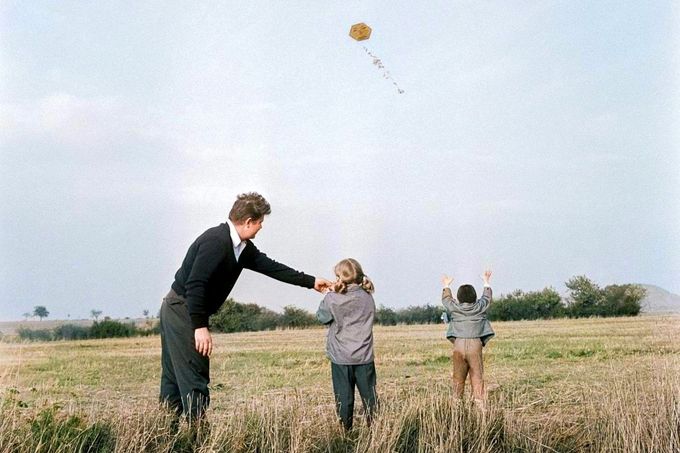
(584, 299)
(106, 328)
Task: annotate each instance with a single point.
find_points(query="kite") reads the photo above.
(362, 32)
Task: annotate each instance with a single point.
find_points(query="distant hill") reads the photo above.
(658, 300)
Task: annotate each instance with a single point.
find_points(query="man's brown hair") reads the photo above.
(249, 205)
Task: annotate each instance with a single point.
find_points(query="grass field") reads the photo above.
(559, 385)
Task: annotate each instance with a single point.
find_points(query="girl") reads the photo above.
(349, 313)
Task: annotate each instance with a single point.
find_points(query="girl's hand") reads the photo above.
(446, 280)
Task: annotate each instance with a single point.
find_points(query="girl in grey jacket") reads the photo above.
(469, 331)
(349, 312)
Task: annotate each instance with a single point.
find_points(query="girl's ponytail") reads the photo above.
(349, 271)
(367, 284)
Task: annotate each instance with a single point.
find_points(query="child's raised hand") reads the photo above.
(486, 276)
(446, 280)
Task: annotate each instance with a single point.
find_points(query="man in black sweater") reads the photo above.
(207, 275)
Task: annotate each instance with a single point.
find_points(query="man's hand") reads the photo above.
(446, 281)
(203, 340)
(486, 276)
(322, 285)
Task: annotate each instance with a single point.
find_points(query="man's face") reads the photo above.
(251, 227)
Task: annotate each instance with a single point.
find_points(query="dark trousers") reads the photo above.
(185, 372)
(345, 378)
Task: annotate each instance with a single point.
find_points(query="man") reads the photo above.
(208, 273)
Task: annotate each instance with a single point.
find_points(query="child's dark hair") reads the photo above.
(467, 294)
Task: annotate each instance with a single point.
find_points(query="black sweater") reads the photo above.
(210, 270)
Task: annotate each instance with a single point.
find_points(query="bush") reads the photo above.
(112, 329)
(151, 329)
(104, 329)
(294, 317)
(236, 317)
(71, 332)
(266, 320)
(585, 296)
(518, 305)
(426, 314)
(588, 299)
(386, 316)
(35, 335)
(622, 300)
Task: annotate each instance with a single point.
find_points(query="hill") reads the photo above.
(658, 300)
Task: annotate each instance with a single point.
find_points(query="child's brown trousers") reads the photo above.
(467, 359)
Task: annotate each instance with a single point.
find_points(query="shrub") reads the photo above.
(588, 299)
(112, 329)
(518, 305)
(622, 300)
(294, 317)
(150, 329)
(386, 316)
(426, 314)
(71, 332)
(266, 320)
(35, 335)
(235, 317)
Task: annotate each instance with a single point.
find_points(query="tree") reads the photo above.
(426, 314)
(146, 313)
(294, 317)
(622, 300)
(588, 299)
(40, 311)
(518, 305)
(385, 316)
(266, 320)
(585, 296)
(26, 316)
(234, 317)
(95, 314)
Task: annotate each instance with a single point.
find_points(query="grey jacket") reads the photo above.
(468, 320)
(350, 326)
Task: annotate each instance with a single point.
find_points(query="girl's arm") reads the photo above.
(323, 314)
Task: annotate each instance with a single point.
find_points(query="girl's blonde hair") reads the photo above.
(349, 271)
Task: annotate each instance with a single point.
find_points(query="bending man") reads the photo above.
(208, 273)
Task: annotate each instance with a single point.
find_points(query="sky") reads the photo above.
(539, 139)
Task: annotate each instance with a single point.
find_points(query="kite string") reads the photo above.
(386, 74)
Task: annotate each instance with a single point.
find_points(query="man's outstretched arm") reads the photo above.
(264, 265)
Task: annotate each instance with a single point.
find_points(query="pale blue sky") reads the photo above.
(540, 138)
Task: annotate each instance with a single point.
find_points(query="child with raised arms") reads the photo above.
(469, 331)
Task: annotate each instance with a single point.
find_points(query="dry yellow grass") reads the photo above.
(566, 385)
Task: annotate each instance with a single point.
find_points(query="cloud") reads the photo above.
(75, 122)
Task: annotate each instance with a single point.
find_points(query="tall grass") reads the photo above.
(621, 415)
